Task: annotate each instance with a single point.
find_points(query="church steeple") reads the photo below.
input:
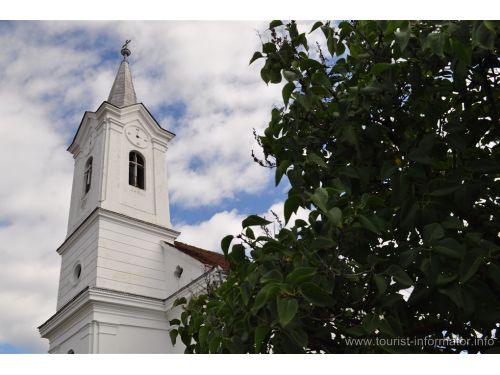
(122, 93)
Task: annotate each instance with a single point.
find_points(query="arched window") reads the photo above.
(136, 170)
(88, 175)
(71, 351)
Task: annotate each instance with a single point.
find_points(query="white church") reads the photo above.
(121, 266)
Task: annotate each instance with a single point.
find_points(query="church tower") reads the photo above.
(121, 266)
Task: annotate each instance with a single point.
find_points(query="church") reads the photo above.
(121, 266)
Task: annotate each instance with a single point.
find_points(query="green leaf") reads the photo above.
(380, 282)
(387, 170)
(320, 198)
(179, 301)
(245, 292)
(432, 233)
(291, 206)
(453, 292)
(256, 55)
(173, 335)
(370, 323)
(464, 52)
(214, 344)
(318, 160)
(449, 248)
(407, 257)
(357, 331)
(260, 334)
(435, 43)
(175, 322)
(366, 223)
(386, 328)
(289, 75)
(399, 275)
(287, 92)
(485, 166)
(492, 25)
(300, 337)
(445, 191)
(469, 269)
(300, 275)
(420, 156)
(249, 233)
(319, 78)
(237, 254)
(272, 276)
(287, 308)
(225, 243)
(409, 219)
(264, 74)
(275, 23)
(334, 215)
(442, 280)
(281, 169)
(260, 300)
(483, 37)
(452, 222)
(317, 296)
(254, 220)
(316, 25)
(402, 38)
(379, 68)
(264, 295)
(268, 47)
(493, 273)
(202, 334)
(331, 44)
(305, 101)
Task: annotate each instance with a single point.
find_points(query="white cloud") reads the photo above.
(34, 199)
(208, 234)
(53, 71)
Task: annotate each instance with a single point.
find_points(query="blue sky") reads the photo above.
(195, 79)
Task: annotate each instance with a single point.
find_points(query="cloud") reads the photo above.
(53, 71)
(208, 234)
(34, 201)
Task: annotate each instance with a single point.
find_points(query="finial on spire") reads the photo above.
(125, 51)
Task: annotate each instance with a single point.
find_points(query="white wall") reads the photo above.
(92, 146)
(82, 249)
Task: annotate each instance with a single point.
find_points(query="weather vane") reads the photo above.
(125, 51)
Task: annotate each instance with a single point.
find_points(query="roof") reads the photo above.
(204, 256)
(122, 93)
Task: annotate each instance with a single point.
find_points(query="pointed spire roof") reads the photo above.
(122, 93)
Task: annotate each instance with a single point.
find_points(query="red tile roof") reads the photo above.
(204, 256)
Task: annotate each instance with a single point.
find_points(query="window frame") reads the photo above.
(137, 170)
(87, 175)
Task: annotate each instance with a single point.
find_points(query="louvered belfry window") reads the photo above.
(136, 170)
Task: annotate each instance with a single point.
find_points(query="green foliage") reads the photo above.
(389, 136)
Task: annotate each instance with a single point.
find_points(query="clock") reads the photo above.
(137, 136)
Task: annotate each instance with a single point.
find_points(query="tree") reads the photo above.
(389, 137)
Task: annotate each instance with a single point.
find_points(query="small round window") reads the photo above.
(77, 272)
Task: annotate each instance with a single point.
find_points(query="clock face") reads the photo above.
(137, 136)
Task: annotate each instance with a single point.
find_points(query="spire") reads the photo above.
(122, 93)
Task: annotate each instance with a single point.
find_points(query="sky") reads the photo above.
(195, 79)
